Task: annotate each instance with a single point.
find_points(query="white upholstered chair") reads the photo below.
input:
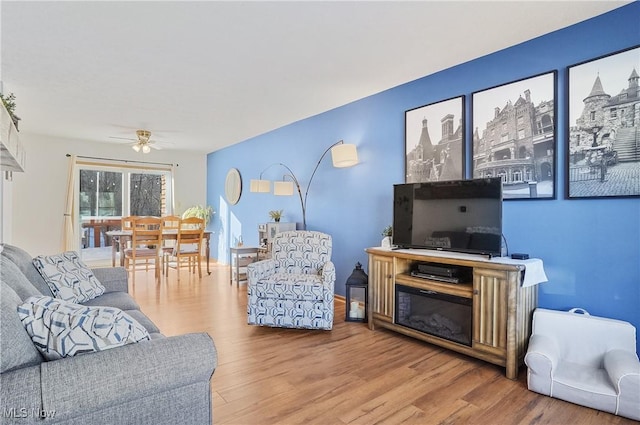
(294, 288)
(585, 360)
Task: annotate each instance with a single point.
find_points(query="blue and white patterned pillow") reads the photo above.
(62, 329)
(68, 277)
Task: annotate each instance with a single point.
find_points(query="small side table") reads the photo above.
(241, 257)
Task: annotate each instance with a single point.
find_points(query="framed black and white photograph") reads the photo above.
(514, 136)
(434, 141)
(604, 127)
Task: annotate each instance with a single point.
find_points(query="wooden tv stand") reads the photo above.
(501, 308)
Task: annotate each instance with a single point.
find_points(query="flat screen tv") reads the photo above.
(458, 215)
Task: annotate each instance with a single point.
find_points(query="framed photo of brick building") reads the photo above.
(514, 136)
(603, 149)
(434, 141)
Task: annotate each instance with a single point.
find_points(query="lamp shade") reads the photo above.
(283, 188)
(136, 147)
(344, 155)
(146, 149)
(260, 186)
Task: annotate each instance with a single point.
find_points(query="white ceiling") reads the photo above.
(205, 75)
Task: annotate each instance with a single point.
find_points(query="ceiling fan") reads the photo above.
(142, 143)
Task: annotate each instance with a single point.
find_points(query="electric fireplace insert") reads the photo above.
(442, 315)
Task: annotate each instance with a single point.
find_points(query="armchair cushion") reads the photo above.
(68, 277)
(120, 300)
(300, 251)
(290, 286)
(61, 329)
(24, 261)
(114, 279)
(19, 351)
(13, 277)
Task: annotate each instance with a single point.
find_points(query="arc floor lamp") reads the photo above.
(342, 154)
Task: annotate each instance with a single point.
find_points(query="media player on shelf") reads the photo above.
(438, 270)
(442, 272)
(435, 277)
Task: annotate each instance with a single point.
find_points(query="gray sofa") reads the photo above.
(165, 380)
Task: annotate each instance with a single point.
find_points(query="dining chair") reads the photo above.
(126, 224)
(146, 244)
(188, 246)
(170, 223)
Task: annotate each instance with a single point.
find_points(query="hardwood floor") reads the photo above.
(349, 375)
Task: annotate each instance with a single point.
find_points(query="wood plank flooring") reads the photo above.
(349, 375)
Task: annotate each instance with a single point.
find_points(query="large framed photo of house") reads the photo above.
(514, 136)
(604, 127)
(434, 141)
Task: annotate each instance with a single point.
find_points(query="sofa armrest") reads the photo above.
(114, 279)
(260, 270)
(90, 382)
(542, 354)
(541, 359)
(623, 369)
(329, 275)
(20, 395)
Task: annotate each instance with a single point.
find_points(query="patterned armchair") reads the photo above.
(294, 288)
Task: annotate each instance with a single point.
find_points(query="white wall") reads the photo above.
(38, 194)
(6, 187)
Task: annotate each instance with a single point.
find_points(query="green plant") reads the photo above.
(387, 231)
(199, 211)
(9, 102)
(276, 215)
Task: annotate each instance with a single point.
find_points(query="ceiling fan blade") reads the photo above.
(129, 139)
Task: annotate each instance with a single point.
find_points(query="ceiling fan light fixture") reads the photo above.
(143, 135)
(146, 149)
(136, 147)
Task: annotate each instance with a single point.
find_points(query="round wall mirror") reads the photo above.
(233, 186)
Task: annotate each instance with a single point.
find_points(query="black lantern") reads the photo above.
(356, 307)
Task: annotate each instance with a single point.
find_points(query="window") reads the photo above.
(521, 133)
(100, 193)
(614, 112)
(106, 192)
(146, 194)
(546, 124)
(592, 115)
(504, 138)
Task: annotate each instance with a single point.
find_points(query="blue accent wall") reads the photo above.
(590, 247)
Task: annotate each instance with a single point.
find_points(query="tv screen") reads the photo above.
(458, 215)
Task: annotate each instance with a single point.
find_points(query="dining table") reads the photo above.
(119, 239)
